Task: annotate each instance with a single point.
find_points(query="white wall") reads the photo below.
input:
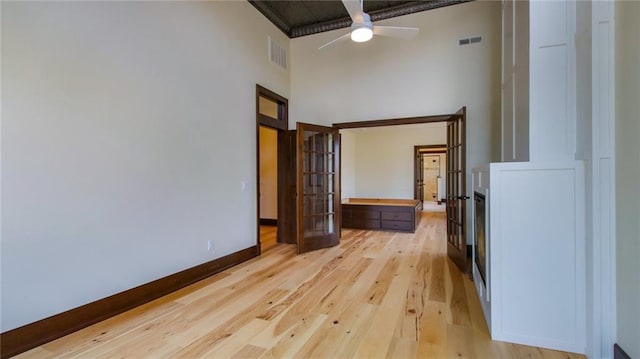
(348, 144)
(393, 78)
(268, 173)
(627, 174)
(384, 162)
(127, 129)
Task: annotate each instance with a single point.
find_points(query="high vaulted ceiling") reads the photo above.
(305, 17)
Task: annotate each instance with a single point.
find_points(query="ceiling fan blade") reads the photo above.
(396, 31)
(341, 38)
(355, 10)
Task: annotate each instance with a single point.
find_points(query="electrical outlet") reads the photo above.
(210, 245)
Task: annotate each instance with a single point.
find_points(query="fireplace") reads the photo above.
(481, 230)
(480, 237)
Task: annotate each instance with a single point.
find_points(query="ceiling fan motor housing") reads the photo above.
(362, 29)
(362, 32)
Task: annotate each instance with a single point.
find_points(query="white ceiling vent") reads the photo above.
(470, 40)
(277, 54)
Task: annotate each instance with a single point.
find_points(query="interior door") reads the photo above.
(318, 190)
(287, 222)
(419, 163)
(456, 191)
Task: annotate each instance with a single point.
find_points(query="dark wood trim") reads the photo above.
(456, 192)
(287, 216)
(462, 113)
(397, 121)
(29, 336)
(281, 125)
(310, 243)
(407, 121)
(268, 222)
(618, 353)
(429, 149)
(258, 245)
(339, 167)
(282, 122)
(267, 121)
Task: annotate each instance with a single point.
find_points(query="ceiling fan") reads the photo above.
(362, 29)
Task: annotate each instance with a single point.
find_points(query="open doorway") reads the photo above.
(430, 167)
(298, 177)
(455, 176)
(275, 171)
(268, 186)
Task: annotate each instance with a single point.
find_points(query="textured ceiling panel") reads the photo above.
(303, 17)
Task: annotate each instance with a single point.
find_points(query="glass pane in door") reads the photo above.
(318, 188)
(318, 174)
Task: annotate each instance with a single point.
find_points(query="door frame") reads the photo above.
(281, 125)
(459, 115)
(398, 121)
(420, 150)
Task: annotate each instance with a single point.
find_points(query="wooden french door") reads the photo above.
(318, 189)
(419, 171)
(456, 191)
(287, 216)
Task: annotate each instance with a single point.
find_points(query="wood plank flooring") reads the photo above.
(377, 294)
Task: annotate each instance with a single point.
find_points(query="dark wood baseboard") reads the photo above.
(268, 222)
(618, 353)
(29, 336)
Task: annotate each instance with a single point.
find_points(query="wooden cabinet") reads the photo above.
(385, 214)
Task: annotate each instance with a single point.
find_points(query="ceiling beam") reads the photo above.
(397, 121)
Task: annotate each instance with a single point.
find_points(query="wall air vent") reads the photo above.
(470, 40)
(277, 54)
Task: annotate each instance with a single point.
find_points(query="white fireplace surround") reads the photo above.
(535, 245)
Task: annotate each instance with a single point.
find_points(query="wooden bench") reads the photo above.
(385, 214)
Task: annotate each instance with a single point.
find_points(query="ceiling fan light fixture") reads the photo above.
(362, 29)
(361, 34)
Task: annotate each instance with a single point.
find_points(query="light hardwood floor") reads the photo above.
(377, 294)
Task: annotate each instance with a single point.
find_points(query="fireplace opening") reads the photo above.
(480, 239)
